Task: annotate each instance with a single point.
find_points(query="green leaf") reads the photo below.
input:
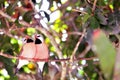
(8, 65)
(30, 31)
(102, 2)
(89, 10)
(28, 16)
(2, 3)
(2, 23)
(17, 23)
(105, 52)
(10, 9)
(93, 22)
(85, 18)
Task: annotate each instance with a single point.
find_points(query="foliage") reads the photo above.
(63, 23)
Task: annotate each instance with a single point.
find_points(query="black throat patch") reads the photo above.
(29, 40)
(38, 41)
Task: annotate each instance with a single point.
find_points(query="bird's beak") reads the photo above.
(27, 37)
(34, 36)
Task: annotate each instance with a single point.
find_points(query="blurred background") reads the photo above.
(82, 37)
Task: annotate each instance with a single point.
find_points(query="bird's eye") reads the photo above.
(38, 35)
(24, 39)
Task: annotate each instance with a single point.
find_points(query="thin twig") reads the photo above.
(74, 51)
(85, 51)
(94, 5)
(79, 11)
(74, 33)
(86, 76)
(13, 19)
(7, 24)
(77, 45)
(44, 60)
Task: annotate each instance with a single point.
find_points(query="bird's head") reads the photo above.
(38, 38)
(27, 39)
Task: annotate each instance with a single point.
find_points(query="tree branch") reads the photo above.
(44, 60)
(13, 19)
(74, 51)
(77, 45)
(94, 5)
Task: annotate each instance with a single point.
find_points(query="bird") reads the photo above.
(28, 50)
(42, 51)
(104, 49)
